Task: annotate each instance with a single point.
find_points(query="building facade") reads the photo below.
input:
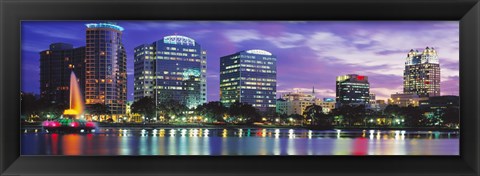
(295, 102)
(405, 100)
(173, 68)
(327, 104)
(352, 89)
(249, 77)
(422, 73)
(56, 65)
(106, 67)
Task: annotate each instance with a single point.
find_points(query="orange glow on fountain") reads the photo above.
(76, 101)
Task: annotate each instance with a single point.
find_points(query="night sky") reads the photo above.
(308, 53)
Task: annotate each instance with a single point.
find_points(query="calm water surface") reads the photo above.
(253, 141)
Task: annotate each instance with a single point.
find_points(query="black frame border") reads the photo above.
(12, 12)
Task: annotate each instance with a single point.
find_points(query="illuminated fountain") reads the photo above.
(76, 103)
(72, 121)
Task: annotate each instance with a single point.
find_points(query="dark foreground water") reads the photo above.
(253, 141)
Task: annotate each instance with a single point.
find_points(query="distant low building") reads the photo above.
(405, 99)
(327, 104)
(295, 102)
(441, 102)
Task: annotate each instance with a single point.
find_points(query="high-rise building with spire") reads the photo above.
(422, 73)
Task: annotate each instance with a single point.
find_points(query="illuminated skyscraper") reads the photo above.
(56, 65)
(422, 73)
(249, 77)
(353, 89)
(106, 74)
(173, 68)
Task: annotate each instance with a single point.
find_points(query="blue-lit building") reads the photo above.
(249, 77)
(173, 68)
(106, 68)
(352, 89)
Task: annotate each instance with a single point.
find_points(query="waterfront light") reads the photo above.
(291, 134)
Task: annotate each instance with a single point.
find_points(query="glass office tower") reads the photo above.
(249, 77)
(106, 68)
(173, 68)
(352, 89)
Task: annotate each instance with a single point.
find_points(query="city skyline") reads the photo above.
(375, 49)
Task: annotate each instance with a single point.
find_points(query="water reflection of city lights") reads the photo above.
(162, 133)
(277, 133)
(309, 134)
(397, 135)
(195, 132)
(264, 132)
(184, 131)
(224, 134)
(172, 132)
(338, 133)
(378, 135)
(206, 133)
(240, 132)
(291, 134)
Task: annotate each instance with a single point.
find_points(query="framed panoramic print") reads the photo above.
(239, 87)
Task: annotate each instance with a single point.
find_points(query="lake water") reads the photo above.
(231, 141)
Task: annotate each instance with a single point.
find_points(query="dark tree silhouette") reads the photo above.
(144, 106)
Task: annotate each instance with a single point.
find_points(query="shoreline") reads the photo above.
(233, 126)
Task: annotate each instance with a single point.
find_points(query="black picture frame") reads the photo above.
(14, 11)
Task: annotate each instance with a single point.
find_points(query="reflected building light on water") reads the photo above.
(162, 133)
(277, 133)
(172, 132)
(143, 133)
(240, 132)
(264, 132)
(154, 132)
(183, 132)
(338, 133)
(397, 135)
(291, 133)
(309, 134)
(205, 133)
(371, 134)
(195, 133)
(378, 135)
(225, 132)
